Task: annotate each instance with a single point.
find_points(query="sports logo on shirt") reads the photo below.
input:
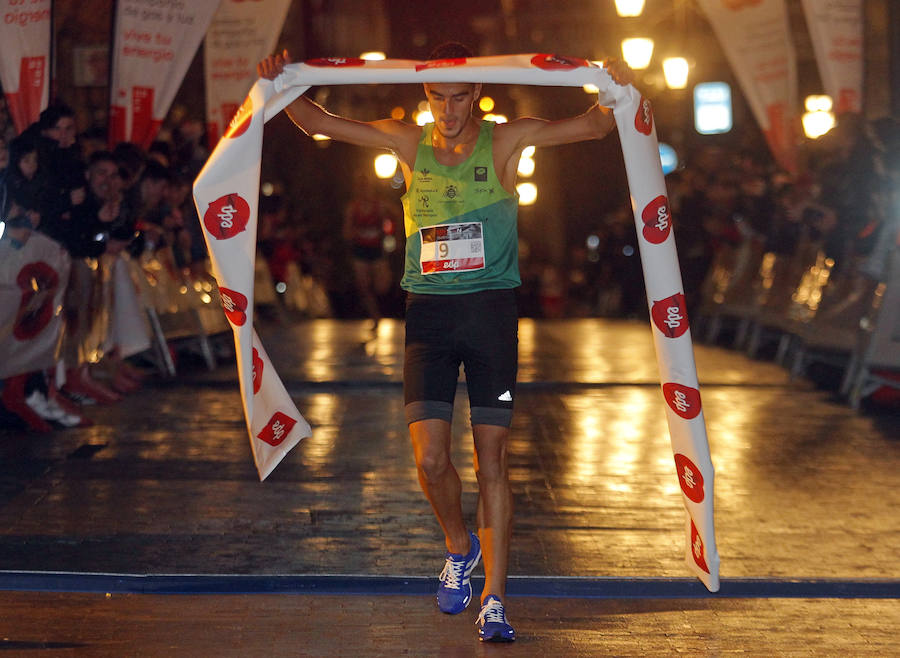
(643, 119)
(227, 216)
(235, 305)
(481, 174)
(670, 315)
(689, 477)
(657, 220)
(277, 429)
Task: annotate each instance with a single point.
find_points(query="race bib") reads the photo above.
(452, 248)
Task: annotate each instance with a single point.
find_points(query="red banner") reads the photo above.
(756, 38)
(24, 57)
(154, 44)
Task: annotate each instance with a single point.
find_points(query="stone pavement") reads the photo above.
(807, 496)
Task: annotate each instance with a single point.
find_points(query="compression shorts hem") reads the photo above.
(492, 416)
(428, 410)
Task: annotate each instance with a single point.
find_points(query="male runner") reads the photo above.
(461, 270)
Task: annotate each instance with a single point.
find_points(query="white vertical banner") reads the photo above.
(836, 29)
(227, 197)
(153, 45)
(33, 280)
(226, 194)
(241, 34)
(756, 39)
(25, 58)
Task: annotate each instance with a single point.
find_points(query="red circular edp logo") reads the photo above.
(697, 548)
(657, 220)
(227, 216)
(235, 305)
(336, 61)
(684, 400)
(257, 371)
(670, 315)
(38, 282)
(557, 62)
(643, 119)
(277, 429)
(241, 120)
(689, 477)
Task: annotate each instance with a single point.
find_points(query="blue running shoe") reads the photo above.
(455, 590)
(492, 624)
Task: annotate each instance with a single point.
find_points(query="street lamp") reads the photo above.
(385, 165)
(527, 193)
(819, 118)
(627, 8)
(637, 52)
(676, 71)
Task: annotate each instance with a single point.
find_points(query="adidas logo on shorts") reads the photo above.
(505, 397)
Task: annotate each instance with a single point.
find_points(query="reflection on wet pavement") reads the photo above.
(805, 488)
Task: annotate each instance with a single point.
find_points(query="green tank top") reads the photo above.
(461, 233)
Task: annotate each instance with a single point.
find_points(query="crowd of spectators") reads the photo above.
(846, 203)
(101, 207)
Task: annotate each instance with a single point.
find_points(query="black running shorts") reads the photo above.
(478, 330)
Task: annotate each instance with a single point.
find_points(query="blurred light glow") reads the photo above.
(398, 113)
(637, 52)
(592, 242)
(528, 151)
(385, 165)
(818, 103)
(486, 104)
(320, 137)
(496, 118)
(591, 89)
(668, 158)
(527, 193)
(676, 71)
(373, 56)
(267, 189)
(526, 166)
(817, 123)
(281, 287)
(628, 8)
(423, 117)
(712, 108)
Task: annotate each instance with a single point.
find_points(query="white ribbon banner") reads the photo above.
(154, 43)
(241, 34)
(837, 36)
(756, 38)
(227, 190)
(25, 59)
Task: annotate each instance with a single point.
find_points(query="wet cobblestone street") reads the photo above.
(163, 483)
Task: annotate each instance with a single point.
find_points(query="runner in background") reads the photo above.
(364, 229)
